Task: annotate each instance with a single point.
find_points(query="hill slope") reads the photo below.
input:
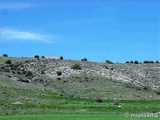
(108, 81)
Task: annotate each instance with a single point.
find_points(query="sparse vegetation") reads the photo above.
(76, 91)
(36, 56)
(59, 73)
(58, 78)
(28, 73)
(131, 62)
(5, 55)
(135, 62)
(116, 102)
(61, 58)
(109, 62)
(146, 61)
(127, 62)
(99, 99)
(76, 67)
(8, 62)
(145, 88)
(158, 93)
(84, 59)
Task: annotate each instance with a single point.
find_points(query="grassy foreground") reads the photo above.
(75, 117)
(18, 98)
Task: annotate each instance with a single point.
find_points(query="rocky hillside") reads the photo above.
(90, 79)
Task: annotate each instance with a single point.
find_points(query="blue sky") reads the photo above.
(118, 30)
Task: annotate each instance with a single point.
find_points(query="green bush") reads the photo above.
(8, 62)
(5, 55)
(76, 67)
(127, 62)
(29, 73)
(131, 62)
(135, 62)
(158, 93)
(59, 73)
(36, 56)
(61, 58)
(146, 61)
(145, 88)
(116, 102)
(99, 100)
(109, 62)
(84, 59)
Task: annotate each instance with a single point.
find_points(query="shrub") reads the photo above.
(59, 73)
(99, 99)
(116, 102)
(76, 67)
(42, 72)
(29, 73)
(36, 56)
(5, 55)
(85, 59)
(23, 80)
(135, 62)
(158, 93)
(61, 58)
(43, 57)
(131, 62)
(157, 61)
(127, 62)
(58, 78)
(111, 69)
(146, 61)
(8, 62)
(109, 62)
(145, 88)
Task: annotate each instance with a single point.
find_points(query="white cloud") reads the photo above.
(9, 34)
(15, 5)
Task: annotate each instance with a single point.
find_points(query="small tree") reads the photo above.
(36, 56)
(127, 62)
(157, 61)
(131, 62)
(43, 57)
(146, 61)
(109, 62)
(135, 62)
(61, 58)
(5, 55)
(8, 62)
(85, 59)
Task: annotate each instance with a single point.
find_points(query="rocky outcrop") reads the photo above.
(139, 75)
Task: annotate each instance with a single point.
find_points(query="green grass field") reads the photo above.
(75, 117)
